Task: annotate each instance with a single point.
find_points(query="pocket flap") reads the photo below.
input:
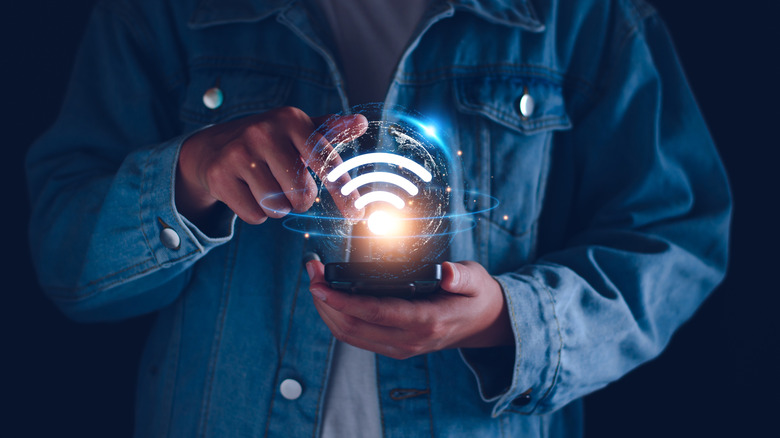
(499, 98)
(243, 91)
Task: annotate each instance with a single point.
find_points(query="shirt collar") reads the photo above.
(215, 12)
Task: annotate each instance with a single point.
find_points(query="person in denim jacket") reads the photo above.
(612, 229)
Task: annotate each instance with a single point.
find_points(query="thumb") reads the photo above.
(459, 278)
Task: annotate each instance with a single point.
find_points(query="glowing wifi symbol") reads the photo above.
(380, 222)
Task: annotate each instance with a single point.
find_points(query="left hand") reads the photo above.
(469, 312)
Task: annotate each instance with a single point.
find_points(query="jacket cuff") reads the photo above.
(518, 378)
(170, 235)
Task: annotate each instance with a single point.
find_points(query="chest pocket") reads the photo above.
(216, 94)
(506, 128)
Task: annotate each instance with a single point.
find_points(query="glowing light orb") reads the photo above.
(382, 223)
(398, 170)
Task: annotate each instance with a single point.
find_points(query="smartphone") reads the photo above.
(394, 279)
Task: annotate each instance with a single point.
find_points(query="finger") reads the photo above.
(321, 290)
(389, 344)
(266, 190)
(319, 155)
(325, 159)
(465, 278)
(236, 194)
(315, 142)
(382, 311)
(318, 121)
(332, 130)
(347, 327)
(332, 317)
(316, 271)
(283, 165)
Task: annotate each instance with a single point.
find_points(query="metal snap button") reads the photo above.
(213, 98)
(291, 389)
(170, 238)
(526, 104)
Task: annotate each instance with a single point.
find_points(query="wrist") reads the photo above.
(192, 198)
(499, 332)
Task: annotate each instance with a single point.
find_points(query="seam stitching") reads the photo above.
(229, 265)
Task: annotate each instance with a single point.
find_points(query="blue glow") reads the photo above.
(298, 225)
(308, 222)
(430, 130)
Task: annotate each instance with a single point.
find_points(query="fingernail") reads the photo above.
(455, 274)
(319, 293)
(310, 270)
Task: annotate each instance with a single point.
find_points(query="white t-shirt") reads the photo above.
(370, 36)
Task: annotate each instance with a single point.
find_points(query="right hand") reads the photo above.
(242, 161)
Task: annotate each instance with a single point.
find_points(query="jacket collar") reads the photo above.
(215, 12)
(210, 13)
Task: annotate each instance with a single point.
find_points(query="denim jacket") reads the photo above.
(612, 225)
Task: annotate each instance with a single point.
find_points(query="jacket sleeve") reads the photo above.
(652, 210)
(101, 180)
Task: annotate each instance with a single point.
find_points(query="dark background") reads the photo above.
(716, 378)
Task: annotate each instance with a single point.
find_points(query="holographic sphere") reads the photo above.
(397, 174)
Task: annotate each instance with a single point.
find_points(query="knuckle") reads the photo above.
(430, 330)
(259, 132)
(235, 152)
(215, 177)
(427, 325)
(291, 113)
(374, 313)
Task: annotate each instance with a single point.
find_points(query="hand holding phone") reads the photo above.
(396, 279)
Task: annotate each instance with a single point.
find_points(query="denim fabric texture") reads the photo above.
(617, 207)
